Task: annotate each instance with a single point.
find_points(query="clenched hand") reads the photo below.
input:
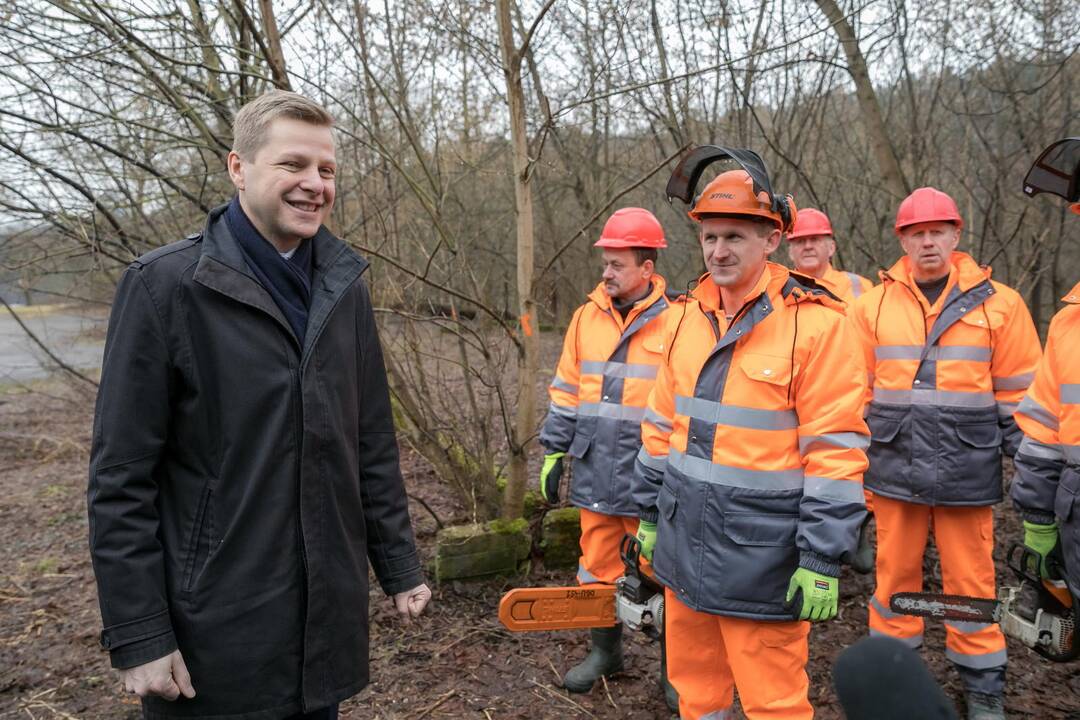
(165, 677)
(411, 603)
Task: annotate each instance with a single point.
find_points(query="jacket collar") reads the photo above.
(780, 284)
(1073, 298)
(603, 300)
(222, 268)
(963, 271)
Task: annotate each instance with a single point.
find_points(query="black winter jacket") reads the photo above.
(240, 482)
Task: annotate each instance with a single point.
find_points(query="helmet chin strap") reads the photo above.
(684, 178)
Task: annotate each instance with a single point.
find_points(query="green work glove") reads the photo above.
(820, 594)
(551, 476)
(1041, 539)
(646, 535)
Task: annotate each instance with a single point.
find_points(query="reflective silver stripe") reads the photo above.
(559, 384)
(612, 411)
(967, 628)
(847, 491)
(848, 440)
(1070, 394)
(1006, 409)
(705, 471)
(651, 416)
(1038, 413)
(1035, 449)
(882, 610)
(935, 397)
(614, 368)
(717, 715)
(563, 410)
(914, 642)
(978, 662)
(898, 352)
(1013, 382)
(585, 576)
(653, 462)
(734, 415)
(856, 284)
(974, 353)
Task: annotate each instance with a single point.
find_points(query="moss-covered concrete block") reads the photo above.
(464, 552)
(560, 538)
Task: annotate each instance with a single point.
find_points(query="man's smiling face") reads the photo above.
(287, 188)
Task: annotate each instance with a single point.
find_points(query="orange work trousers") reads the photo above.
(709, 656)
(965, 542)
(600, 538)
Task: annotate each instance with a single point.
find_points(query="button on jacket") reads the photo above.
(754, 447)
(1047, 483)
(240, 480)
(945, 381)
(607, 368)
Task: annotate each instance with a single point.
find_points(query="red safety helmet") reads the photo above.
(927, 204)
(810, 223)
(632, 227)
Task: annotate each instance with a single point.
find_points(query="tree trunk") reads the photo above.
(528, 365)
(869, 107)
(276, 61)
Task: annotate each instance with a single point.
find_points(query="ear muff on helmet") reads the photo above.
(684, 179)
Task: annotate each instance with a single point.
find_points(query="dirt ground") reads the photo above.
(455, 663)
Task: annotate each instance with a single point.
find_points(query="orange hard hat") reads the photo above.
(732, 193)
(927, 204)
(810, 223)
(632, 227)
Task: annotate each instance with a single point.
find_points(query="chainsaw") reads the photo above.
(636, 600)
(1040, 612)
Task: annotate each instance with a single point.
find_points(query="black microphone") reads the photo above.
(879, 678)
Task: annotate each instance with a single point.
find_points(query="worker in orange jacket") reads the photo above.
(749, 477)
(609, 361)
(950, 352)
(1046, 489)
(811, 247)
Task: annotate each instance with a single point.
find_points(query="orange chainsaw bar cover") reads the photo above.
(558, 608)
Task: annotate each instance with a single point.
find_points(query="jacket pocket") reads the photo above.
(757, 555)
(653, 343)
(980, 435)
(579, 446)
(767, 369)
(200, 540)
(882, 429)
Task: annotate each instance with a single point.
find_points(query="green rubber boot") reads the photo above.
(604, 659)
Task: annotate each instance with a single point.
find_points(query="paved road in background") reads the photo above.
(75, 335)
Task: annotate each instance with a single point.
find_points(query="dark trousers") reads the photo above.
(327, 713)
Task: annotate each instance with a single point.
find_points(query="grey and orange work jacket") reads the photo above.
(945, 380)
(606, 371)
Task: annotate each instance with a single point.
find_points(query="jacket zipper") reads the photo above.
(300, 528)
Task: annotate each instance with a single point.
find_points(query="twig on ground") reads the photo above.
(446, 696)
(562, 697)
(607, 691)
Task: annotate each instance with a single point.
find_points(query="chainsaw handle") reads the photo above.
(1028, 558)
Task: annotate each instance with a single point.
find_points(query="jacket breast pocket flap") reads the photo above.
(653, 343)
(761, 529)
(979, 435)
(766, 368)
(989, 320)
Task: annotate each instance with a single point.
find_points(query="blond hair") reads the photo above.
(253, 120)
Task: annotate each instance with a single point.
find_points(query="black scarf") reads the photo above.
(287, 281)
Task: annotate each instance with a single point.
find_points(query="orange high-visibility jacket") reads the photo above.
(945, 381)
(845, 285)
(753, 446)
(1047, 483)
(607, 368)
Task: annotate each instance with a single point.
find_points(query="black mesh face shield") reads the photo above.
(1057, 171)
(684, 178)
